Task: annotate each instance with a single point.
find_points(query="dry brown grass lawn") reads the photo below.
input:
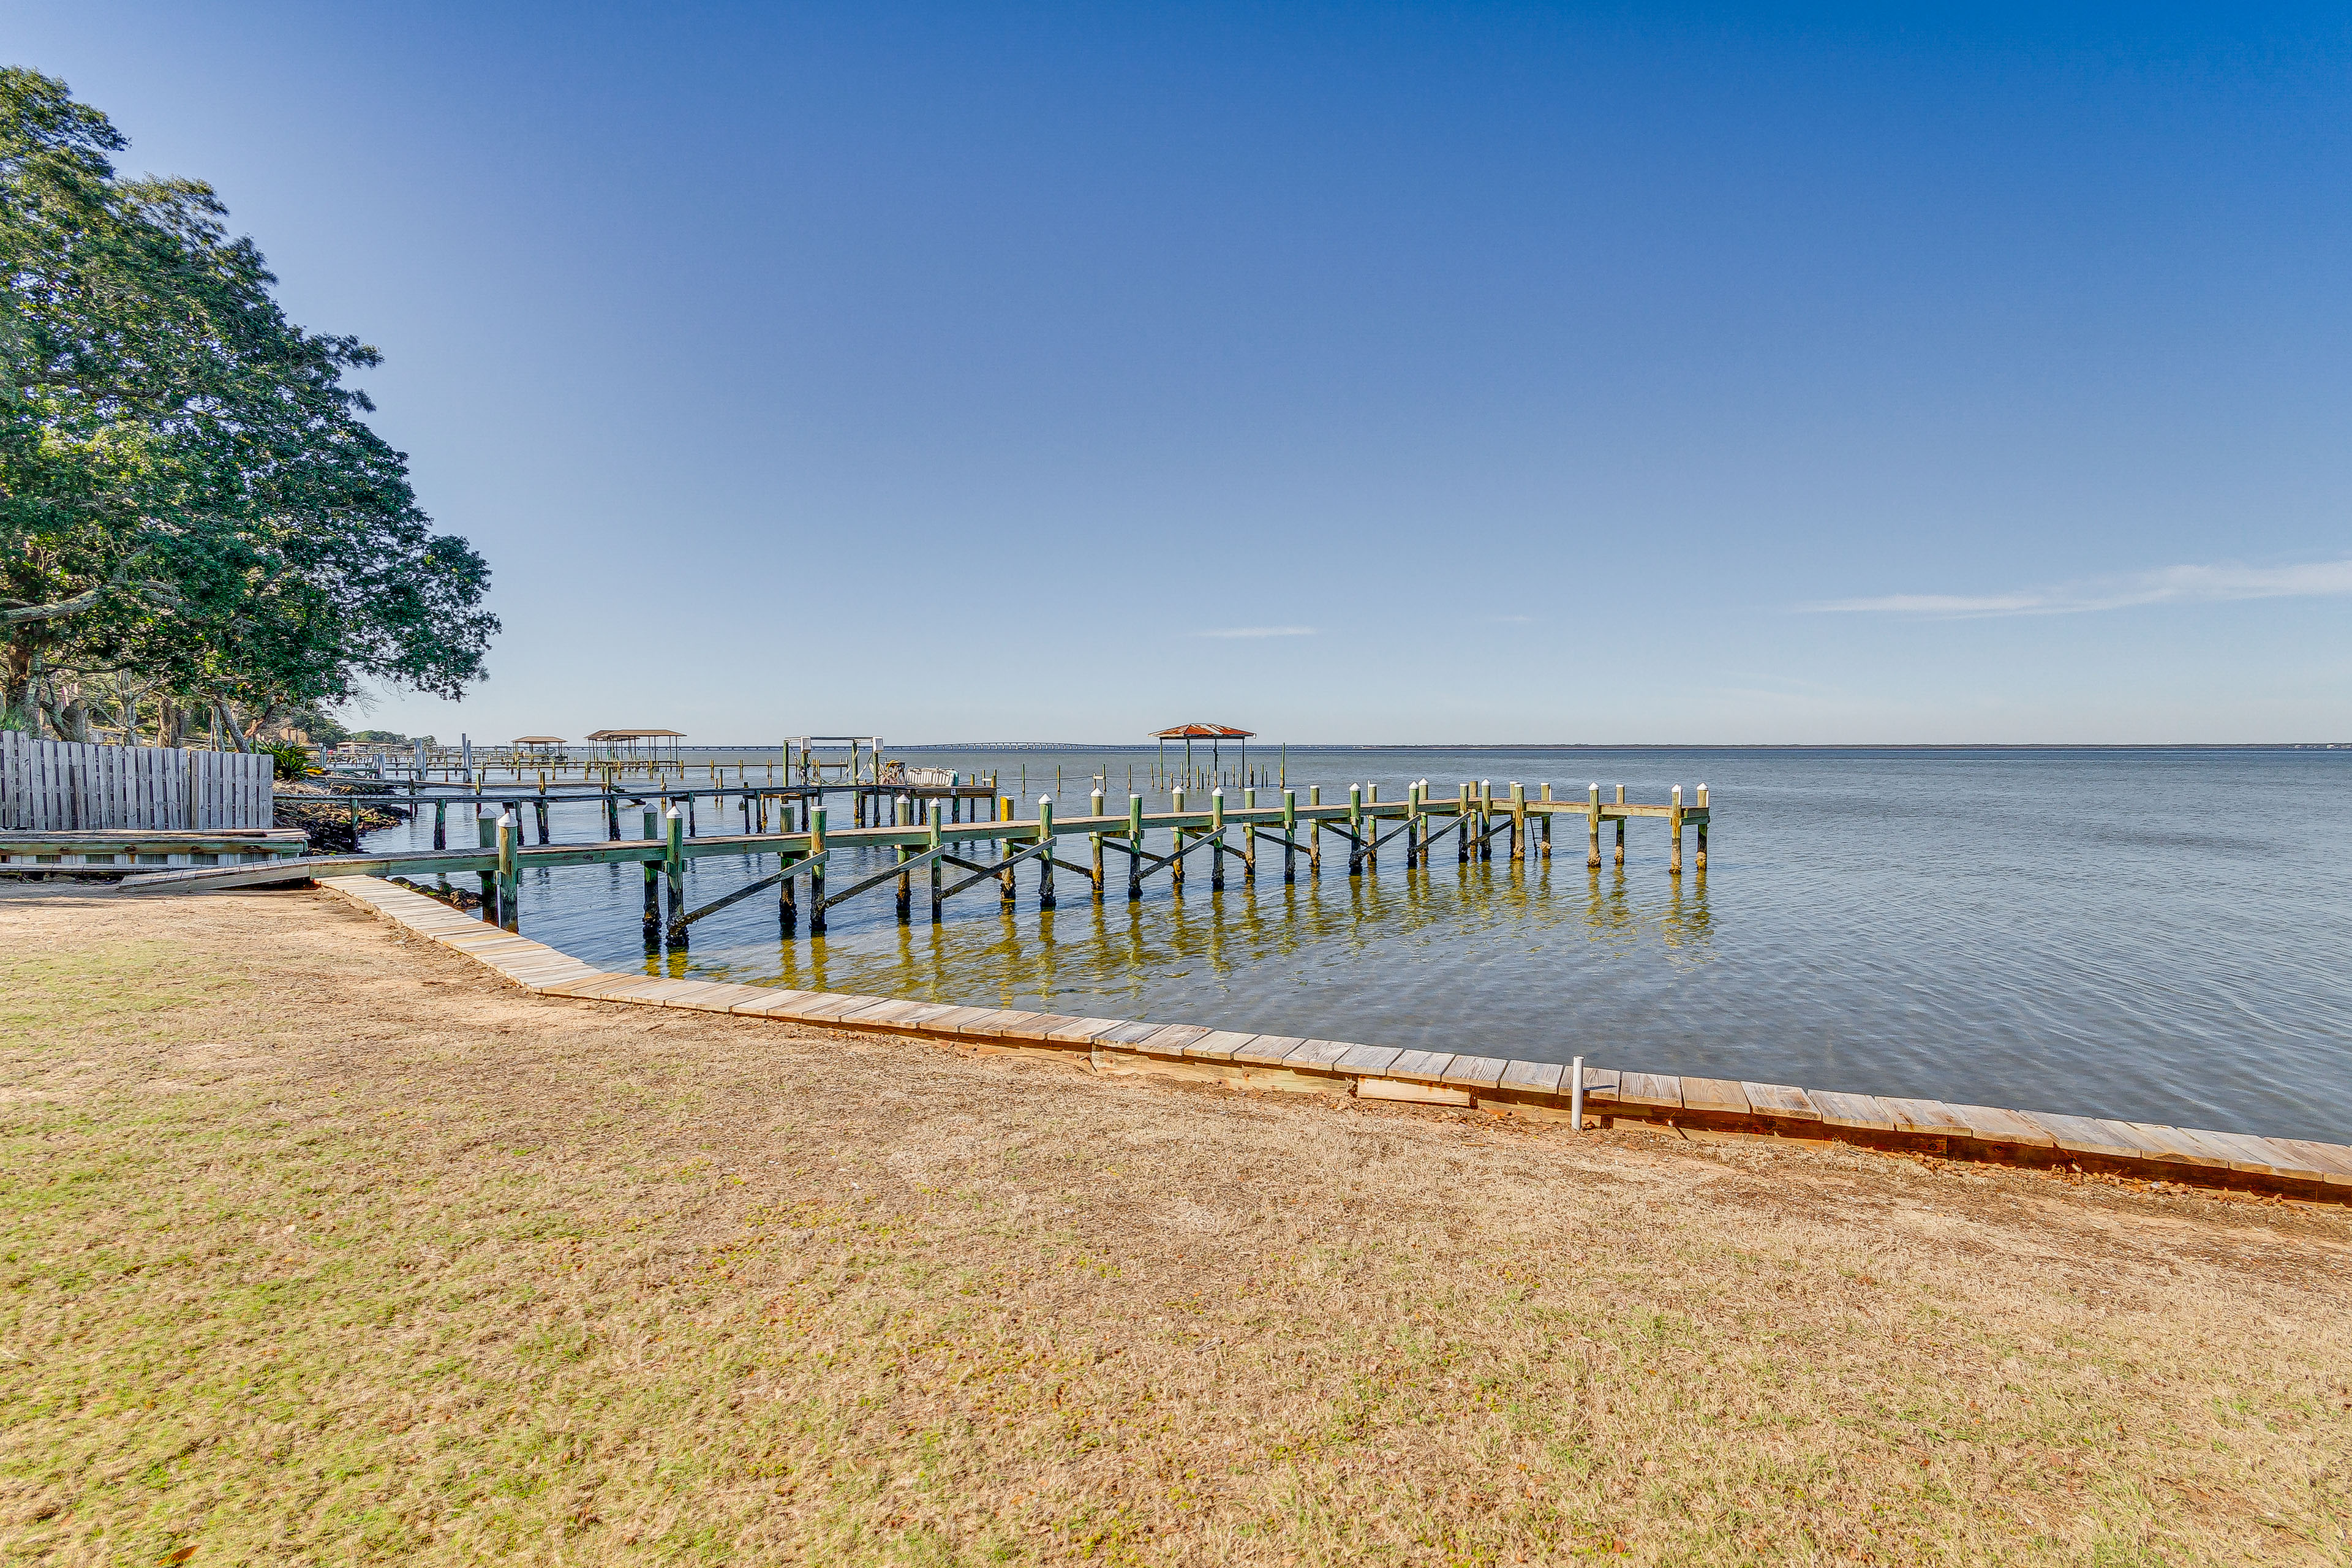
(318, 1244)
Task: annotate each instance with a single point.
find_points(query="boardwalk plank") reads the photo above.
(1718, 1096)
(2088, 1135)
(2180, 1145)
(1662, 1090)
(1860, 1112)
(1991, 1124)
(2253, 1155)
(1781, 1101)
(1930, 1117)
(1533, 1078)
(1171, 1040)
(1267, 1050)
(1475, 1072)
(2333, 1161)
(992, 1026)
(954, 1020)
(1038, 1026)
(772, 1001)
(1085, 1031)
(1426, 1065)
(1218, 1046)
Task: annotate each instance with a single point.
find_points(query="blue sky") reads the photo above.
(1404, 374)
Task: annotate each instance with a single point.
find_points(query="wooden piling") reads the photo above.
(674, 866)
(1315, 833)
(1518, 823)
(1289, 837)
(652, 825)
(1134, 848)
(902, 814)
(1094, 810)
(1674, 822)
(440, 825)
(938, 898)
(509, 840)
(485, 836)
(816, 877)
(1003, 848)
(1176, 843)
(1045, 860)
(1621, 830)
(1249, 840)
(1217, 841)
(1462, 827)
(1592, 822)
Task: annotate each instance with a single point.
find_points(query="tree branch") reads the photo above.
(62, 607)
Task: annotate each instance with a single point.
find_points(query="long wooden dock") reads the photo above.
(1423, 825)
(1572, 1093)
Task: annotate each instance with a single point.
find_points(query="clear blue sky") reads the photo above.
(1349, 373)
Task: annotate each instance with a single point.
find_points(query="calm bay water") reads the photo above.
(2157, 934)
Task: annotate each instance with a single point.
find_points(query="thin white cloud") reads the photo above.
(2170, 586)
(1257, 632)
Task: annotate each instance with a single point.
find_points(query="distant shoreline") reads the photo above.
(1264, 745)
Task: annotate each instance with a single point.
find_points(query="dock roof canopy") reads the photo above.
(536, 741)
(1203, 732)
(636, 734)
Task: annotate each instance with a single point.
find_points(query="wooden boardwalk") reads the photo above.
(1572, 1093)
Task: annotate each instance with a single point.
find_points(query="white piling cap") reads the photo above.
(675, 812)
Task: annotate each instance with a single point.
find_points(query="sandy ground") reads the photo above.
(318, 1244)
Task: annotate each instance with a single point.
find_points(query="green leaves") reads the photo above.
(186, 488)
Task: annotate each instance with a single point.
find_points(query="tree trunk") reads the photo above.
(226, 717)
(17, 678)
(68, 719)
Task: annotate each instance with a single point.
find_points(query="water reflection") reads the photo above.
(1950, 924)
(1123, 954)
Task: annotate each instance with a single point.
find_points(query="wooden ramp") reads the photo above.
(1548, 1092)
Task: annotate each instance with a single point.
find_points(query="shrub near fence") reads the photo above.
(64, 786)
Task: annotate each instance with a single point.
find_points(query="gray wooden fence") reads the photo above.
(62, 786)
